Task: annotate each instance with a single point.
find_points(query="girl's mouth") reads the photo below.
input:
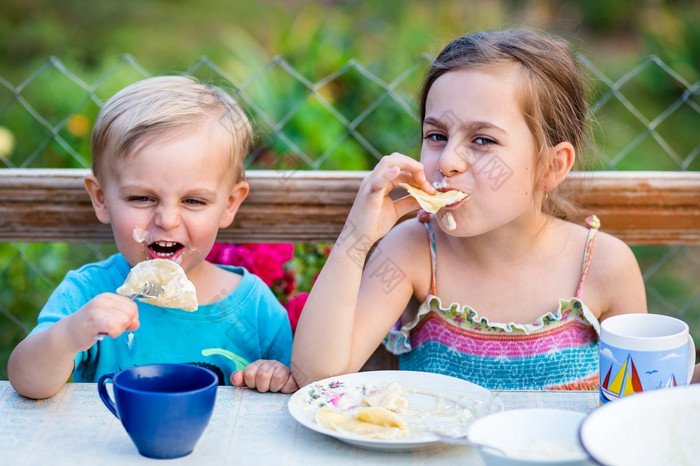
(170, 250)
(455, 204)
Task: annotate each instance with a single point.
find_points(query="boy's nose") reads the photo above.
(167, 218)
(454, 159)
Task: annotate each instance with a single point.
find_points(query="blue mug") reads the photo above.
(163, 407)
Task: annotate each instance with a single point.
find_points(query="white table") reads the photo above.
(247, 428)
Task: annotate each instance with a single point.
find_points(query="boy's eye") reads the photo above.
(138, 199)
(194, 202)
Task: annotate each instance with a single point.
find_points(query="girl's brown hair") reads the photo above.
(551, 93)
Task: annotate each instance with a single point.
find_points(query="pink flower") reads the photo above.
(270, 263)
(264, 260)
(294, 308)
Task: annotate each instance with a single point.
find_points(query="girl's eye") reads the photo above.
(482, 141)
(437, 137)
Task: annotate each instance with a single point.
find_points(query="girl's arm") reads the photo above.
(351, 307)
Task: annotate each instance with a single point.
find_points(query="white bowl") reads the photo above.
(659, 427)
(530, 437)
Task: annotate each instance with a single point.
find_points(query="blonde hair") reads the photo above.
(551, 91)
(155, 106)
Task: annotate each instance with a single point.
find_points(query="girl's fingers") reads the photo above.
(385, 180)
(405, 205)
(398, 168)
(412, 172)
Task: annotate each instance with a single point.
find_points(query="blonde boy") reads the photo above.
(167, 173)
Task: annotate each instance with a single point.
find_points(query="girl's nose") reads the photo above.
(454, 159)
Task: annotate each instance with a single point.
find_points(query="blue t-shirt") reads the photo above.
(247, 325)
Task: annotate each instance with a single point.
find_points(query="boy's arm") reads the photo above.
(265, 375)
(41, 364)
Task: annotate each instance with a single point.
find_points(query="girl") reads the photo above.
(500, 288)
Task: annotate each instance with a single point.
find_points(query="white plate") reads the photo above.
(423, 390)
(648, 428)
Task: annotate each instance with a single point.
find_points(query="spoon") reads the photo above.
(464, 441)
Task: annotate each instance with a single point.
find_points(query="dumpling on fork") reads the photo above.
(178, 292)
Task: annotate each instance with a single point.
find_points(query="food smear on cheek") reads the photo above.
(139, 235)
(449, 222)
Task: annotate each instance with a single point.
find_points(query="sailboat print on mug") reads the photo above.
(638, 372)
(625, 382)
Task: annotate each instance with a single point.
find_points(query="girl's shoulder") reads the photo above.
(613, 252)
(406, 248)
(407, 238)
(614, 282)
(610, 256)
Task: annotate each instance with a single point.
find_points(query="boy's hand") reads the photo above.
(106, 313)
(265, 375)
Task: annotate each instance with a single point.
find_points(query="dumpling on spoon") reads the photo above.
(431, 203)
(178, 292)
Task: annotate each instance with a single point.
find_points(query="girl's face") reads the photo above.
(476, 139)
(169, 198)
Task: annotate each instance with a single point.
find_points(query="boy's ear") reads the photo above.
(561, 163)
(97, 196)
(235, 199)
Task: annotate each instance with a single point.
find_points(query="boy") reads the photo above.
(167, 173)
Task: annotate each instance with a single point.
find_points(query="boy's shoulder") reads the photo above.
(113, 268)
(250, 286)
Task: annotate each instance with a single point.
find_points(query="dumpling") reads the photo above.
(433, 203)
(178, 292)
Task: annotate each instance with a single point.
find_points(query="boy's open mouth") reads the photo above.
(165, 250)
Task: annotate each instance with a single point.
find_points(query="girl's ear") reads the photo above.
(235, 199)
(563, 157)
(97, 196)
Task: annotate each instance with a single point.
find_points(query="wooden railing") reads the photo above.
(42, 205)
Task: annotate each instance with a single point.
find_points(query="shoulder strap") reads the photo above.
(424, 217)
(593, 223)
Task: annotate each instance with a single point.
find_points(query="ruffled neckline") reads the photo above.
(466, 316)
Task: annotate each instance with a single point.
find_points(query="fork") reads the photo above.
(149, 290)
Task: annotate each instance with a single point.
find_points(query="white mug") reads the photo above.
(642, 352)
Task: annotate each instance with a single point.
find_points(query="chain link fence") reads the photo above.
(647, 119)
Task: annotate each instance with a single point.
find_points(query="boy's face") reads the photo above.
(168, 198)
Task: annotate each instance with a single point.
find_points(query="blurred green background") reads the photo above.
(361, 62)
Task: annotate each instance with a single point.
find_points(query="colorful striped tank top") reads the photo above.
(557, 351)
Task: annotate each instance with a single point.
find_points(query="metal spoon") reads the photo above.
(464, 441)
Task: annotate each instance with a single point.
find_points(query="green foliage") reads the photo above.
(328, 85)
(29, 273)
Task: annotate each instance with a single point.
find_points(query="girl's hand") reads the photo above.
(374, 213)
(107, 313)
(265, 375)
